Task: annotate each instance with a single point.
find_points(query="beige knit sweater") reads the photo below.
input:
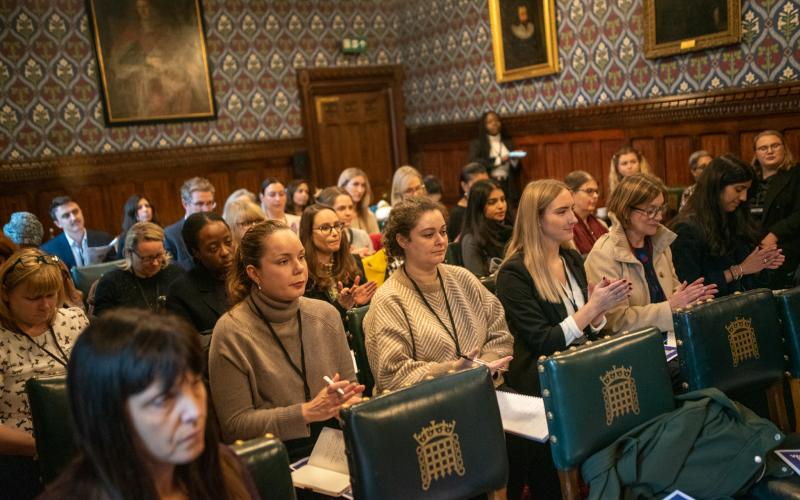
(405, 342)
(253, 386)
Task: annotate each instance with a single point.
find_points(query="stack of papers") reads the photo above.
(325, 471)
(523, 415)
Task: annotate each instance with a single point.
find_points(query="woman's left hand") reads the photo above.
(357, 294)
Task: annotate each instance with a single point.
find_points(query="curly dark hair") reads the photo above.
(402, 219)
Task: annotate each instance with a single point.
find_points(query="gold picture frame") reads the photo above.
(679, 26)
(523, 38)
(152, 60)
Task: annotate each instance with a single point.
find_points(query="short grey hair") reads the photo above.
(195, 184)
(694, 158)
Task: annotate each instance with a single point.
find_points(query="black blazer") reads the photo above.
(198, 297)
(782, 218)
(533, 321)
(59, 246)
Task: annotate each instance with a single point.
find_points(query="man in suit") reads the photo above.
(76, 246)
(197, 195)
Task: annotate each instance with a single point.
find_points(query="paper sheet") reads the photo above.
(326, 471)
(523, 415)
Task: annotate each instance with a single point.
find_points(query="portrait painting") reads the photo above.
(523, 38)
(677, 26)
(152, 60)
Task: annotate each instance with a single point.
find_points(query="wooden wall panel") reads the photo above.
(676, 151)
(716, 144)
(558, 160)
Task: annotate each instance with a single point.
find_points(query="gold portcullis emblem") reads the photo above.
(742, 339)
(438, 452)
(619, 393)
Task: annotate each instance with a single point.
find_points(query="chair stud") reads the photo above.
(541, 368)
(679, 342)
(542, 358)
(549, 415)
(238, 442)
(553, 439)
(546, 393)
(269, 435)
(684, 386)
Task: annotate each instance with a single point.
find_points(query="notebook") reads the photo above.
(326, 470)
(523, 415)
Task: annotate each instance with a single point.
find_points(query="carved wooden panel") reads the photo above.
(676, 152)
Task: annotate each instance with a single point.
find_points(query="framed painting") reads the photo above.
(152, 60)
(678, 26)
(523, 38)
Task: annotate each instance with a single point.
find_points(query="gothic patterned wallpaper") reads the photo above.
(50, 102)
(450, 66)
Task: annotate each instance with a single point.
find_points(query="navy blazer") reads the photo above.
(59, 246)
(174, 244)
(533, 321)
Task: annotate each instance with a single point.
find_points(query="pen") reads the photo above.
(328, 380)
(482, 363)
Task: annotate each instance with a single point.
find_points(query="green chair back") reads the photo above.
(731, 343)
(439, 439)
(52, 426)
(453, 254)
(86, 275)
(596, 392)
(354, 325)
(788, 302)
(268, 463)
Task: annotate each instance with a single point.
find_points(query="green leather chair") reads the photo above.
(788, 302)
(268, 463)
(595, 393)
(86, 275)
(51, 424)
(453, 254)
(439, 439)
(733, 343)
(353, 324)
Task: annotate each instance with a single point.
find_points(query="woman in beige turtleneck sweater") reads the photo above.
(271, 350)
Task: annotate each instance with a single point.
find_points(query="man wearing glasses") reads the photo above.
(76, 246)
(197, 195)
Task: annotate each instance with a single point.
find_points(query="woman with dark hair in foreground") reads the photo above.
(139, 409)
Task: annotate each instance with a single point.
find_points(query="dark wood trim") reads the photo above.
(326, 81)
(728, 104)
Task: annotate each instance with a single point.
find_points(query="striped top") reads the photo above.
(406, 342)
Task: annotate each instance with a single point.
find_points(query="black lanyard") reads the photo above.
(301, 370)
(571, 294)
(454, 333)
(63, 360)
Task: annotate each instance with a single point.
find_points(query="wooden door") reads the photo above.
(354, 118)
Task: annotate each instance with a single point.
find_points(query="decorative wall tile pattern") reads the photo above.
(50, 100)
(450, 66)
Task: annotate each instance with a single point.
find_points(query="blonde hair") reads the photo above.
(40, 271)
(528, 238)
(139, 232)
(614, 177)
(242, 210)
(400, 181)
(362, 207)
(632, 191)
(788, 157)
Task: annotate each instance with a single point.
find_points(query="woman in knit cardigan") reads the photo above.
(271, 350)
(430, 318)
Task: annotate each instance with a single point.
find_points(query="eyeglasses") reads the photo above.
(151, 259)
(771, 147)
(328, 228)
(414, 190)
(248, 223)
(590, 192)
(653, 212)
(28, 260)
(211, 205)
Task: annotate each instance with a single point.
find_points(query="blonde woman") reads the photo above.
(240, 216)
(145, 276)
(356, 182)
(637, 248)
(406, 182)
(626, 162)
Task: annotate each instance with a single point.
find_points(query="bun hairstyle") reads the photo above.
(249, 252)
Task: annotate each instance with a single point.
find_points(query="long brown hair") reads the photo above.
(362, 207)
(249, 252)
(344, 265)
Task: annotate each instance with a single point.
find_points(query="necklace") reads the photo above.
(157, 306)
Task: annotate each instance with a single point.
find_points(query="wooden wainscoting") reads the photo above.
(667, 130)
(102, 183)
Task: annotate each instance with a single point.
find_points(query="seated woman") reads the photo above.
(271, 350)
(240, 216)
(585, 192)
(334, 274)
(429, 317)
(549, 306)
(200, 295)
(626, 162)
(715, 237)
(775, 204)
(298, 196)
(470, 174)
(144, 278)
(136, 209)
(433, 186)
(239, 194)
(273, 203)
(356, 182)
(139, 410)
(342, 203)
(36, 337)
(487, 228)
(637, 249)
